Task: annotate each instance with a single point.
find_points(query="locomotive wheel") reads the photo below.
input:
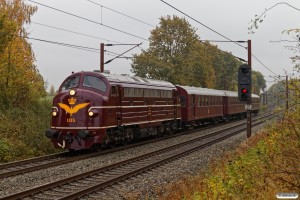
(97, 147)
(112, 144)
(160, 131)
(124, 141)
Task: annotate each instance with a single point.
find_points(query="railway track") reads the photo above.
(95, 180)
(39, 163)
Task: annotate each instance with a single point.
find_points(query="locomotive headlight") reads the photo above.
(91, 114)
(72, 92)
(54, 113)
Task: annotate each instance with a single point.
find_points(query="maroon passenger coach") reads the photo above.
(202, 105)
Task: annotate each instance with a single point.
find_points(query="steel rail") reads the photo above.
(38, 163)
(49, 186)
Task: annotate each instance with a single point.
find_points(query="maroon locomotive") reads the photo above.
(93, 110)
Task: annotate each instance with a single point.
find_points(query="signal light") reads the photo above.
(244, 83)
(244, 90)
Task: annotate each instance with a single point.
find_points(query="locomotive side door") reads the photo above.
(116, 93)
(175, 97)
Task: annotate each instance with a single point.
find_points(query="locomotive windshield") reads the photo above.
(95, 83)
(70, 83)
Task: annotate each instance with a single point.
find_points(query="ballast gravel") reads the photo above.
(141, 186)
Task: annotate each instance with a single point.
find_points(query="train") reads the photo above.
(94, 110)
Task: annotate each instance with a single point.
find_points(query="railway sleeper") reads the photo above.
(50, 193)
(62, 190)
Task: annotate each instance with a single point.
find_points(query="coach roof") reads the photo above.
(202, 91)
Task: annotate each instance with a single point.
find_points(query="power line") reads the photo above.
(74, 32)
(263, 64)
(201, 23)
(215, 32)
(120, 13)
(86, 19)
(90, 49)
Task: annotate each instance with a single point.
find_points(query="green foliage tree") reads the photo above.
(276, 94)
(258, 82)
(175, 54)
(20, 81)
(52, 91)
(226, 67)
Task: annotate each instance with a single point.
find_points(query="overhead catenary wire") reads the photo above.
(201, 23)
(91, 49)
(133, 18)
(74, 32)
(84, 48)
(263, 64)
(235, 42)
(86, 19)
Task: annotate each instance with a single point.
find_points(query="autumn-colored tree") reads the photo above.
(175, 54)
(20, 81)
(258, 82)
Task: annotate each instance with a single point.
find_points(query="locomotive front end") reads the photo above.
(76, 112)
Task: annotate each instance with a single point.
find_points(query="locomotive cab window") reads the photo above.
(71, 82)
(95, 83)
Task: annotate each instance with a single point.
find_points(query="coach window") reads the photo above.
(193, 99)
(95, 83)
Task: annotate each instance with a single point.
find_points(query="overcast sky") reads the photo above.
(230, 18)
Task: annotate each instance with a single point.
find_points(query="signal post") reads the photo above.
(244, 88)
(249, 102)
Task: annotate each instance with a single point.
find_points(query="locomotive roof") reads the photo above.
(202, 91)
(136, 80)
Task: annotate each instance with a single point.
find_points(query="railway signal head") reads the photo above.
(244, 83)
(244, 93)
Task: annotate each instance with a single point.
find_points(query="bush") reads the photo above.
(22, 132)
(262, 166)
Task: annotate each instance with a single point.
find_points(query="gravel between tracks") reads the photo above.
(144, 184)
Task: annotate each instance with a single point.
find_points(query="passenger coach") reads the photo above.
(200, 105)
